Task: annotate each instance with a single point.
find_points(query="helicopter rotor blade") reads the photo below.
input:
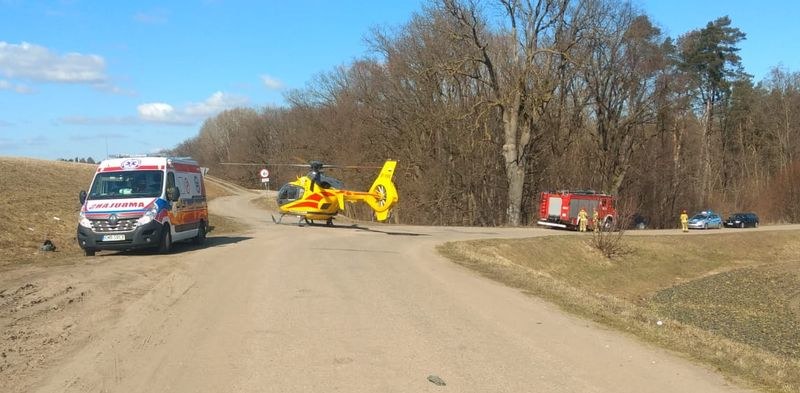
(310, 165)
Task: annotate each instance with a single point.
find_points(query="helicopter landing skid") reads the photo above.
(278, 221)
(302, 221)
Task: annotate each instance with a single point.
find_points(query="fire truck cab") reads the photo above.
(559, 209)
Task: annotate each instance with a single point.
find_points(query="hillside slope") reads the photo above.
(38, 201)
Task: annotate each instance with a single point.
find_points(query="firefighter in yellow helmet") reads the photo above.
(685, 221)
(596, 220)
(582, 218)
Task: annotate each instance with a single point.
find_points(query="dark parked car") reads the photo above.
(742, 220)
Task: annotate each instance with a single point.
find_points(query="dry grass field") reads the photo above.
(731, 300)
(39, 200)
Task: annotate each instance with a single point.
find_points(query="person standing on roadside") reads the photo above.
(582, 218)
(595, 217)
(685, 221)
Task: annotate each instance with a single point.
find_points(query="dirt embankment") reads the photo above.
(54, 302)
(39, 201)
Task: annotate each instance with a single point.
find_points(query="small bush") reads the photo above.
(609, 242)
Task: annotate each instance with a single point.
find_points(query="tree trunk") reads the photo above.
(705, 153)
(515, 167)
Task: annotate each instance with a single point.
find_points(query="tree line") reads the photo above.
(487, 103)
(82, 160)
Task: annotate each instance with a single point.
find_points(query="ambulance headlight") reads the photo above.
(84, 222)
(149, 216)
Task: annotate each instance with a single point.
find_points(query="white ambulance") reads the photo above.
(143, 202)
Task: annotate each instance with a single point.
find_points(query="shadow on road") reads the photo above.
(367, 229)
(181, 247)
(221, 240)
(352, 226)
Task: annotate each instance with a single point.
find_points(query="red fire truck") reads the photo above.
(560, 209)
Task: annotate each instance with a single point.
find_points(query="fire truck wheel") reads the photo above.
(608, 224)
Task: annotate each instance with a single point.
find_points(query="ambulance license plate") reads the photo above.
(113, 238)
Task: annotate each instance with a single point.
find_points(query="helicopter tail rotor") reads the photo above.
(384, 194)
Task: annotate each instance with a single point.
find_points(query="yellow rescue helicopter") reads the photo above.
(318, 197)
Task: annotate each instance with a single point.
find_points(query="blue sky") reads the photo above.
(81, 78)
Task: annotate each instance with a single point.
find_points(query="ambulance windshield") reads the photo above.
(127, 184)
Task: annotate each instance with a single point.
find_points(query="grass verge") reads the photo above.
(39, 200)
(729, 300)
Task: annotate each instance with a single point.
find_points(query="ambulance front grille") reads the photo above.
(122, 225)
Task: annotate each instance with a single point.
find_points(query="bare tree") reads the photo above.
(520, 68)
(621, 73)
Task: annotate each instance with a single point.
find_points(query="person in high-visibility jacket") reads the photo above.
(595, 217)
(582, 218)
(685, 221)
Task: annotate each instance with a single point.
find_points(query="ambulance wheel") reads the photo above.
(201, 234)
(89, 252)
(329, 222)
(165, 245)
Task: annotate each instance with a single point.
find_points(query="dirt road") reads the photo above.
(284, 308)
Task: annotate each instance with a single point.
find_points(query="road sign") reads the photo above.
(265, 180)
(264, 173)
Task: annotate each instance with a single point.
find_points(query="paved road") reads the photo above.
(369, 309)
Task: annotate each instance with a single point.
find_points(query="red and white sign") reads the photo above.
(264, 173)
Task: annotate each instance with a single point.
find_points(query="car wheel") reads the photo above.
(705, 226)
(89, 252)
(755, 225)
(165, 245)
(741, 225)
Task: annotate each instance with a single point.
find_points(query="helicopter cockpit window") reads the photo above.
(289, 193)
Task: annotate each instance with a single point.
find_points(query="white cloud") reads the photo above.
(159, 112)
(100, 136)
(12, 145)
(99, 121)
(217, 103)
(157, 16)
(17, 87)
(38, 63)
(271, 83)
(156, 111)
(192, 113)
